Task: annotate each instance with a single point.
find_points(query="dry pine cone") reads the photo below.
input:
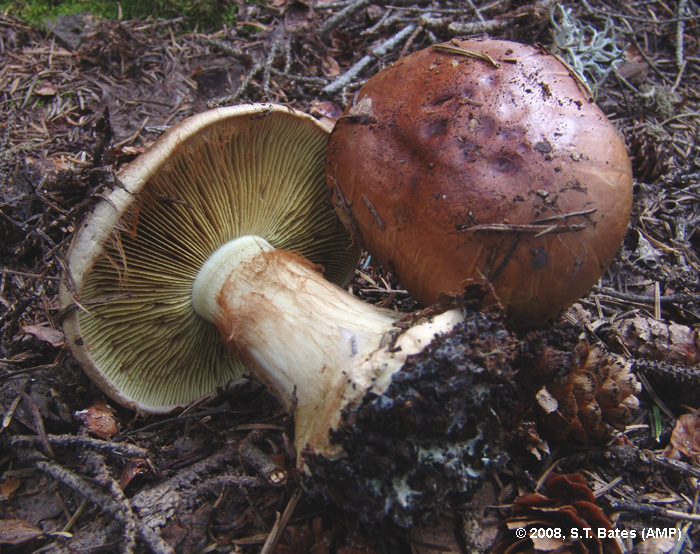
(548, 520)
(645, 337)
(595, 397)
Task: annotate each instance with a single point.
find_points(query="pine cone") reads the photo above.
(645, 337)
(648, 156)
(590, 393)
(549, 521)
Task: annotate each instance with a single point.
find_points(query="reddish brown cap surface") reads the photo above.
(451, 170)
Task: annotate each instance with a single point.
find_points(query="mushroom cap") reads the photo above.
(256, 169)
(451, 170)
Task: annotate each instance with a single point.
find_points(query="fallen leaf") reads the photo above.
(328, 112)
(133, 469)
(18, 531)
(655, 546)
(440, 536)
(633, 67)
(100, 419)
(330, 66)
(45, 334)
(298, 15)
(685, 439)
(46, 89)
(61, 163)
(9, 485)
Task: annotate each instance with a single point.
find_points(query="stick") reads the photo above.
(680, 298)
(332, 22)
(657, 511)
(680, 30)
(99, 498)
(349, 76)
(119, 449)
(257, 460)
(102, 477)
(274, 536)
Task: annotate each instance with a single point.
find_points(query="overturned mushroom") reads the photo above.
(226, 173)
(483, 160)
(217, 231)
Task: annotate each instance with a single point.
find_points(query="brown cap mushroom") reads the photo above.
(244, 170)
(483, 160)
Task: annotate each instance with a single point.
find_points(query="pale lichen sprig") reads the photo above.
(591, 53)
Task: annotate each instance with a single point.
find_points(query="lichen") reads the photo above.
(591, 53)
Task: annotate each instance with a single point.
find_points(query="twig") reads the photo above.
(178, 419)
(260, 462)
(134, 135)
(332, 22)
(280, 524)
(680, 30)
(240, 482)
(9, 414)
(346, 78)
(680, 298)
(409, 42)
(10, 121)
(647, 509)
(452, 48)
(39, 422)
(652, 393)
(677, 372)
(181, 491)
(477, 27)
(69, 525)
(560, 217)
(5, 271)
(309, 79)
(230, 98)
(116, 448)
(223, 47)
(633, 457)
(476, 11)
(333, 5)
(107, 504)
(281, 44)
(5, 152)
(538, 230)
(102, 476)
(387, 19)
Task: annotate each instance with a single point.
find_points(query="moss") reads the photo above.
(200, 14)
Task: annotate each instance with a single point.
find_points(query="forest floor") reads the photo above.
(85, 96)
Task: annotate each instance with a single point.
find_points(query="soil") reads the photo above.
(85, 96)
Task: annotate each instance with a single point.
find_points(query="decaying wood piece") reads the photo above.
(156, 505)
(119, 510)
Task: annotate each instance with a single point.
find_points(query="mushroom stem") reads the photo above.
(309, 341)
(391, 421)
(276, 311)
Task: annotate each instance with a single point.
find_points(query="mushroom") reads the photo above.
(483, 160)
(218, 232)
(230, 172)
